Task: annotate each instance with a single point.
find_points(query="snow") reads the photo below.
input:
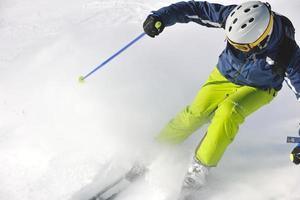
(63, 140)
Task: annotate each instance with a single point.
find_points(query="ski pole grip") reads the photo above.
(295, 155)
(158, 25)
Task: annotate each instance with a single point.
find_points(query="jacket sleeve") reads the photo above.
(293, 72)
(201, 12)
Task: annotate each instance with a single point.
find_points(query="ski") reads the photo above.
(185, 196)
(111, 191)
(293, 139)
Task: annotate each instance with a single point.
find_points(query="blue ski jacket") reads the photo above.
(266, 68)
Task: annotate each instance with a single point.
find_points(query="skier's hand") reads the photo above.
(295, 155)
(153, 26)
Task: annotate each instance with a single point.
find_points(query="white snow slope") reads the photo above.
(63, 140)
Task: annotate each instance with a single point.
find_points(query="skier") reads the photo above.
(260, 54)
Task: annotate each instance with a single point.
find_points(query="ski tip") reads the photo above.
(81, 79)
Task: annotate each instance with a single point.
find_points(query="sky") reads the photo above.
(62, 140)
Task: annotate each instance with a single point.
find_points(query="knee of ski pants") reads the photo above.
(182, 126)
(230, 115)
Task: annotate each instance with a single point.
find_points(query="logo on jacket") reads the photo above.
(270, 61)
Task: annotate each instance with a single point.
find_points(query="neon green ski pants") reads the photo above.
(226, 105)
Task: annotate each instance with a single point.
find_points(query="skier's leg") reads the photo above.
(194, 116)
(225, 123)
(182, 126)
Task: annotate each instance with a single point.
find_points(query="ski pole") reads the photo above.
(82, 78)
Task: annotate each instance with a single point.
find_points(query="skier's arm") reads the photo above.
(201, 12)
(293, 81)
(293, 72)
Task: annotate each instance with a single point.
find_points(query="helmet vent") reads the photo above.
(247, 10)
(251, 20)
(232, 14)
(244, 26)
(256, 6)
(230, 28)
(235, 20)
(239, 7)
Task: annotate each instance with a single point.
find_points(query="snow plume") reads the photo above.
(62, 140)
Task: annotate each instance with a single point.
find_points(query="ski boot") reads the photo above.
(194, 180)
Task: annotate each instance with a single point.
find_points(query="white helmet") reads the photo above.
(249, 23)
